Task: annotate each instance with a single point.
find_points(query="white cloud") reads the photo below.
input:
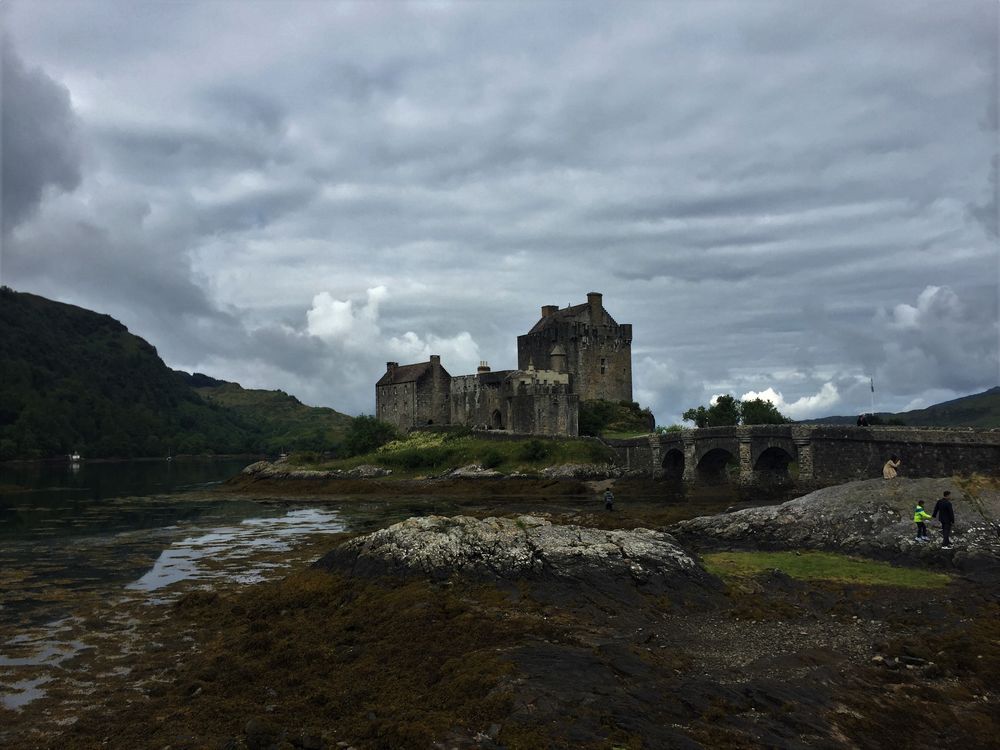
(353, 325)
(459, 353)
(817, 405)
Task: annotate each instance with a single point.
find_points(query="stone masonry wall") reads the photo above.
(598, 356)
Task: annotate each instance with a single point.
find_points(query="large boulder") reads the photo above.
(526, 547)
(872, 517)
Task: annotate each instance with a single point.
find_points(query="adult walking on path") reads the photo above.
(609, 499)
(945, 513)
(889, 470)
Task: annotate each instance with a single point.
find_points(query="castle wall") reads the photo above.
(536, 409)
(599, 356)
(474, 400)
(432, 397)
(396, 404)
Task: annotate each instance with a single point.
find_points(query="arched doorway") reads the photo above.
(496, 420)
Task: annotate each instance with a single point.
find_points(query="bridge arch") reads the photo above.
(771, 466)
(715, 466)
(673, 464)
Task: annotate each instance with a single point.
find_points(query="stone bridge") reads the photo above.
(816, 455)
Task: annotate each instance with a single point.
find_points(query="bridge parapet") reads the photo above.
(824, 454)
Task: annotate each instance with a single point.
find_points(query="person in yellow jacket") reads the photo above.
(919, 516)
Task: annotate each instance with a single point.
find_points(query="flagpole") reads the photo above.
(872, 381)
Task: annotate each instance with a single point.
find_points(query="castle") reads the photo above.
(571, 354)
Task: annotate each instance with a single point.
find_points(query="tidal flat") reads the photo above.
(292, 656)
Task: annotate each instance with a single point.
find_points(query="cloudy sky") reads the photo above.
(782, 198)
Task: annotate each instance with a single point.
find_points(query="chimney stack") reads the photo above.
(548, 310)
(391, 366)
(594, 299)
(483, 367)
(435, 359)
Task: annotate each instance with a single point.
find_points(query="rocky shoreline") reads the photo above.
(581, 631)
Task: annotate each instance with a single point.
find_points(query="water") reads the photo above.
(86, 551)
(78, 545)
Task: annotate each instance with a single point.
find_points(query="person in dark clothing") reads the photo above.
(862, 420)
(609, 500)
(945, 513)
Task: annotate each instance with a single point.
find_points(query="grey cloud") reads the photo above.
(39, 146)
(747, 184)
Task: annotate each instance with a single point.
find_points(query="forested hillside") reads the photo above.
(75, 380)
(287, 423)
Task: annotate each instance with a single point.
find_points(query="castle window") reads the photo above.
(604, 365)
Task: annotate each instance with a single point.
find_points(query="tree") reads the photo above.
(724, 412)
(699, 416)
(729, 411)
(366, 433)
(759, 411)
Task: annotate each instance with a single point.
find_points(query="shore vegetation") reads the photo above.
(433, 452)
(821, 566)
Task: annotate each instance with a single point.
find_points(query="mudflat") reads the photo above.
(376, 657)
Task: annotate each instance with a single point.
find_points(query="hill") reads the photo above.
(75, 380)
(287, 423)
(980, 410)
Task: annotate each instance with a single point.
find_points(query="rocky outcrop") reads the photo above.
(517, 548)
(582, 471)
(281, 470)
(474, 471)
(872, 517)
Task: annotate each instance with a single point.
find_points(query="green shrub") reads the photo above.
(491, 459)
(534, 450)
(366, 433)
(418, 458)
(598, 453)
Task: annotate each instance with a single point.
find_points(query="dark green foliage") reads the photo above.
(533, 450)
(727, 411)
(412, 459)
(366, 434)
(491, 459)
(759, 411)
(75, 380)
(598, 453)
(699, 416)
(287, 423)
(599, 417)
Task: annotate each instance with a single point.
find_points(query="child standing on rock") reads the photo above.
(919, 516)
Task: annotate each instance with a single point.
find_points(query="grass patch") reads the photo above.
(435, 452)
(821, 566)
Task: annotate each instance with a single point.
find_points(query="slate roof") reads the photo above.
(407, 374)
(574, 312)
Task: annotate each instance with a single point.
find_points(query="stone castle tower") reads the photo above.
(586, 342)
(570, 355)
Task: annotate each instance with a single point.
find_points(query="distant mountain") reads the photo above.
(288, 423)
(980, 410)
(73, 380)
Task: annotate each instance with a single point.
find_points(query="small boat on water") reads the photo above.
(75, 457)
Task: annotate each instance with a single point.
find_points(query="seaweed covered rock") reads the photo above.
(526, 547)
(871, 517)
(281, 470)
